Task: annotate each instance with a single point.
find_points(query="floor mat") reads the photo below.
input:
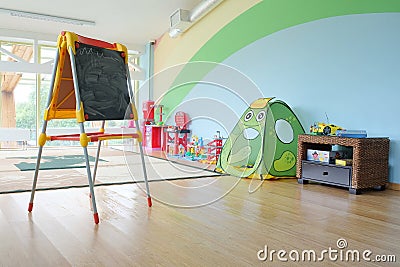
(53, 162)
(116, 167)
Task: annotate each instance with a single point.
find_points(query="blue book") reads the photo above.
(352, 133)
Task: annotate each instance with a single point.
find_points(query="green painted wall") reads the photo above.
(265, 18)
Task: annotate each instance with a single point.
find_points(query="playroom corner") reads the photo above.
(199, 133)
(269, 142)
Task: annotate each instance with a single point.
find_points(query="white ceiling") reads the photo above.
(130, 22)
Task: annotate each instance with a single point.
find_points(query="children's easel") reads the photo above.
(90, 82)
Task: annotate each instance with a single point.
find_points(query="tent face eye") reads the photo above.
(261, 115)
(248, 115)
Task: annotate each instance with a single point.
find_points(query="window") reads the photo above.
(18, 95)
(25, 88)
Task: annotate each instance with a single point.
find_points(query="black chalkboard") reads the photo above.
(102, 80)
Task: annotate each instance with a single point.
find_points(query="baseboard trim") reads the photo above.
(394, 186)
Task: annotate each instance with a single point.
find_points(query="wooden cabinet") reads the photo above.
(368, 170)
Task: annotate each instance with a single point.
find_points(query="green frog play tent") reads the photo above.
(263, 142)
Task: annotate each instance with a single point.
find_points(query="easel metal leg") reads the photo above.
(90, 180)
(149, 202)
(35, 178)
(96, 163)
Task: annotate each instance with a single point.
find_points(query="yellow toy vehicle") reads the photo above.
(321, 128)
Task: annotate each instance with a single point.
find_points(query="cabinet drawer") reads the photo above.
(331, 174)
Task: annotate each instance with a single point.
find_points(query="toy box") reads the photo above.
(324, 156)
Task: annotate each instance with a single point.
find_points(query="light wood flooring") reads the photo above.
(196, 222)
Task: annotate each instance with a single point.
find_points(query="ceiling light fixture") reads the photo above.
(38, 16)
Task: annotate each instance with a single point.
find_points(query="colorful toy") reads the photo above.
(148, 112)
(160, 114)
(182, 151)
(175, 136)
(152, 130)
(263, 142)
(320, 128)
(213, 149)
(195, 149)
(192, 146)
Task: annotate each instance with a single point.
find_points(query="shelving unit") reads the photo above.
(369, 168)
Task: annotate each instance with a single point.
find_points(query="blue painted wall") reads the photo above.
(347, 67)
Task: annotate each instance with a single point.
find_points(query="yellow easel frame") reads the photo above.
(64, 102)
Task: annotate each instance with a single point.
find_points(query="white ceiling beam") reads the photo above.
(11, 55)
(47, 68)
(20, 67)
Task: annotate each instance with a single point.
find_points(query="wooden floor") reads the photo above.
(196, 222)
